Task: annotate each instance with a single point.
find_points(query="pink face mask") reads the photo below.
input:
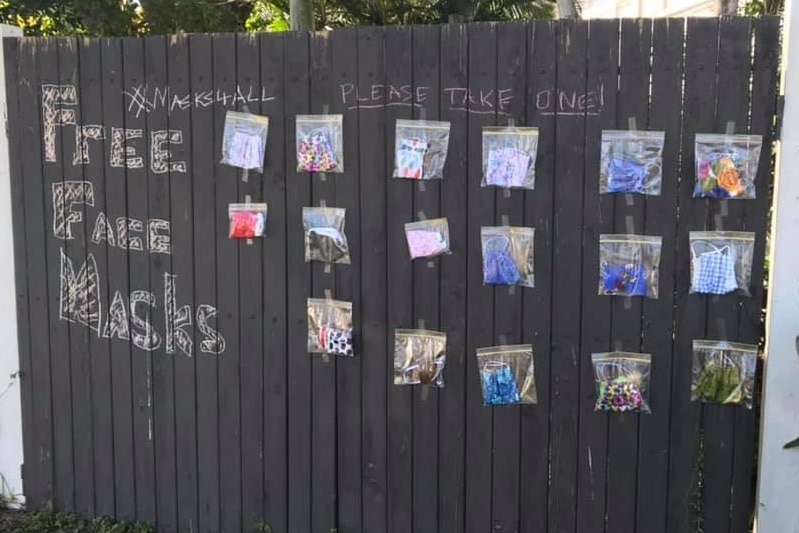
(425, 243)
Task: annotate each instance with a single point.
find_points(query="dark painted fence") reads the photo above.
(135, 408)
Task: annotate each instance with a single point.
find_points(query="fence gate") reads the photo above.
(165, 371)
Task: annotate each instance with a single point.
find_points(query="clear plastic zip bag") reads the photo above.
(629, 265)
(622, 381)
(726, 165)
(325, 239)
(509, 157)
(330, 327)
(507, 374)
(721, 261)
(723, 372)
(420, 149)
(244, 140)
(247, 221)
(419, 357)
(427, 238)
(631, 162)
(320, 143)
(508, 255)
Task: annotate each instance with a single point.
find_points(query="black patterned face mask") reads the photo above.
(336, 341)
(327, 245)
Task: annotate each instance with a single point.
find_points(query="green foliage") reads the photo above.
(263, 527)
(268, 16)
(72, 17)
(764, 7)
(51, 522)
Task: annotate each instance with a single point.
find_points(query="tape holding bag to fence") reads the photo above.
(244, 140)
(629, 265)
(247, 221)
(320, 143)
(325, 240)
(723, 372)
(509, 155)
(631, 162)
(508, 255)
(420, 149)
(419, 357)
(721, 261)
(726, 165)
(622, 381)
(507, 375)
(330, 327)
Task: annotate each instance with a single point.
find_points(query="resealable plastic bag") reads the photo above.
(631, 162)
(622, 381)
(509, 155)
(330, 327)
(508, 255)
(723, 372)
(325, 239)
(421, 149)
(629, 265)
(244, 140)
(427, 238)
(419, 357)
(320, 143)
(507, 374)
(247, 221)
(726, 165)
(721, 261)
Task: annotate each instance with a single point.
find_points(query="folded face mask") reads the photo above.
(499, 384)
(507, 167)
(624, 280)
(626, 176)
(425, 243)
(246, 225)
(714, 273)
(336, 341)
(315, 152)
(410, 158)
(327, 244)
(499, 267)
(246, 151)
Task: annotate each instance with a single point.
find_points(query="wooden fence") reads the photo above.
(164, 367)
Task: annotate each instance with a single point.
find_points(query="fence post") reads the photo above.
(10, 407)
(779, 468)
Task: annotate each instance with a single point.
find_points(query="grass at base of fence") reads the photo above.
(53, 522)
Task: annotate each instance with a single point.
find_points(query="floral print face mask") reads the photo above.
(726, 166)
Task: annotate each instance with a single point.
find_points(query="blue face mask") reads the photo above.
(499, 267)
(714, 273)
(499, 384)
(624, 280)
(626, 176)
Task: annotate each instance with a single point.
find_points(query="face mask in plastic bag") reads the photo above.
(629, 265)
(723, 372)
(320, 143)
(427, 238)
(509, 157)
(247, 221)
(622, 381)
(325, 239)
(508, 255)
(330, 327)
(420, 149)
(721, 261)
(244, 140)
(726, 165)
(419, 357)
(631, 162)
(507, 375)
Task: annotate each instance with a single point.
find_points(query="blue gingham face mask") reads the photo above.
(714, 272)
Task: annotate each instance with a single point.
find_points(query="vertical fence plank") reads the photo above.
(633, 101)
(426, 295)
(207, 355)
(661, 217)
(598, 217)
(400, 276)
(511, 78)
(686, 457)
(454, 73)
(348, 287)
(566, 283)
(534, 464)
(296, 90)
(732, 104)
(251, 311)
(376, 367)
(180, 286)
(756, 214)
(480, 311)
(274, 286)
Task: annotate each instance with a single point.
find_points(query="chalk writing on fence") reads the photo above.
(145, 99)
(477, 101)
(571, 103)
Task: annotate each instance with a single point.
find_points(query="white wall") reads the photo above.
(778, 490)
(10, 410)
(649, 8)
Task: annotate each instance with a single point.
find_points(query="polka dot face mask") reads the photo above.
(723, 372)
(320, 143)
(631, 161)
(622, 382)
(330, 327)
(507, 375)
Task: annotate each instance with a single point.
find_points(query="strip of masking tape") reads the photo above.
(512, 290)
(719, 221)
(420, 323)
(629, 223)
(618, 346)
(724, 208)
(722, 326)
(511, 122)
(631, 124)
(431, 264)
(322, 203)
(628, 199)
(322, 176)
(328, 268)
(730, 127)
(247, 200)
(422, 186)
(506, 193)
(425, 392)
(245, 176)
(328, 294)
(505, 220)
(503, 340)
(421, 215)
(628, 303)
